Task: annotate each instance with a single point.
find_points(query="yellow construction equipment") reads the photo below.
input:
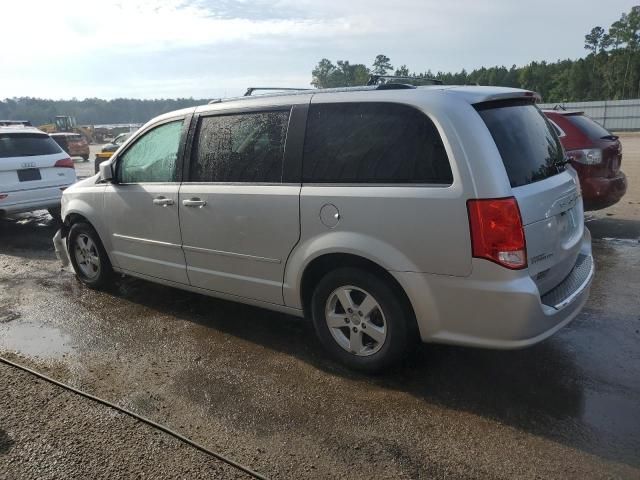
(65, 123)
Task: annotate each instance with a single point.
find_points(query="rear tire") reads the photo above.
(85, 158)
(361, 320)
(88, 256)
(56, 213)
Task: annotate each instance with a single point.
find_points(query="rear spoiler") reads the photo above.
(478, 94)
(522, 95)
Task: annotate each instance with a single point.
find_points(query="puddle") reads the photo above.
(34, 340)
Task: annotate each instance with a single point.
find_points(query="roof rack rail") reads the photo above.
(394, 86)
(375, 79)
(250, 90)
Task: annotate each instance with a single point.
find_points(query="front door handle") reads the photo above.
(194, 202)
(163, 201)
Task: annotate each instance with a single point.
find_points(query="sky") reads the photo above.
(218, 48)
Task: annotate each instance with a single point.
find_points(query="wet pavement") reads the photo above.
(256, 385)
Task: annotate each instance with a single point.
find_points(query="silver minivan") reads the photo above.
(386, 214)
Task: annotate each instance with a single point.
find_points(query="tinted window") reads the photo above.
(556, 128)
(528, 145)
(373, 143)
(152, 158)
(589, 127)
(26, 145)
(248, 147)
(62, 141)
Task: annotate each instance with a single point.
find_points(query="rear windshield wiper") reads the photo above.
(561, 163)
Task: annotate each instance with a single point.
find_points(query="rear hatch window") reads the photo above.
(528, 145)
(590, 127)
(26, 145)
(62, 141)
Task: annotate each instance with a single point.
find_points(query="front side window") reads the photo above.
(152, 158)
(373, 143)
(247, 147)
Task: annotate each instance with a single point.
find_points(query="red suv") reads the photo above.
(595, 154)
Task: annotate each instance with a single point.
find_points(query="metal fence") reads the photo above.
(614, 115)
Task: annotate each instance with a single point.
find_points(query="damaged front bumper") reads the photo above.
(60, 245)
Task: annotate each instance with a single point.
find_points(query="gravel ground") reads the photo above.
(47, 432)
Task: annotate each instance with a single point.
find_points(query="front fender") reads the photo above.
(89, 204)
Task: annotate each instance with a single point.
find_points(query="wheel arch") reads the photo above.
(323, 264)
(74, 215)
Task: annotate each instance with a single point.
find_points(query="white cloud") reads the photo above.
(77, 26)
(207, 47)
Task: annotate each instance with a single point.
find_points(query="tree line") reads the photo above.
(610, 70)
(91, 111)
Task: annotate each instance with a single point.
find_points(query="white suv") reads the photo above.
(387, 214)
(34, 171)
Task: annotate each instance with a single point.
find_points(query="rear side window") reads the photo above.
(589, 127)
(247, 147)
(528, 145)
(373, 143)
(27, 145)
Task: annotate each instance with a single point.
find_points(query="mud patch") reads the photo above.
(7, 315)
(5, 442)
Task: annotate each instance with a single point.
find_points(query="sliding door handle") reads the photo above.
(194, 202)
(163, 201)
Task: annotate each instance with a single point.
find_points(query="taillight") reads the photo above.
(64, 163)
(497, 233)
(591, 156)
(3, 196)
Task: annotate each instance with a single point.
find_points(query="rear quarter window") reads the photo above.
(373, 143)
(27, 145)
(529, 146)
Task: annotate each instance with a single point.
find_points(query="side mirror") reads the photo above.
(106, 171)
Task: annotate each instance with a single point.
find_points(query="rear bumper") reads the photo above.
(495, 307)
(79, 151)
(29, 200)
(602, 192)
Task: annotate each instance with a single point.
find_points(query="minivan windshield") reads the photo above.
(26, 145)
(528, 145)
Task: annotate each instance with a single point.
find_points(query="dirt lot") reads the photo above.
(256, 385)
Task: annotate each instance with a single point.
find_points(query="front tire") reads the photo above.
(361, 319)
(88, 256)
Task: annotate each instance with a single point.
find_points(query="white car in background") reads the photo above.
(34, 171)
